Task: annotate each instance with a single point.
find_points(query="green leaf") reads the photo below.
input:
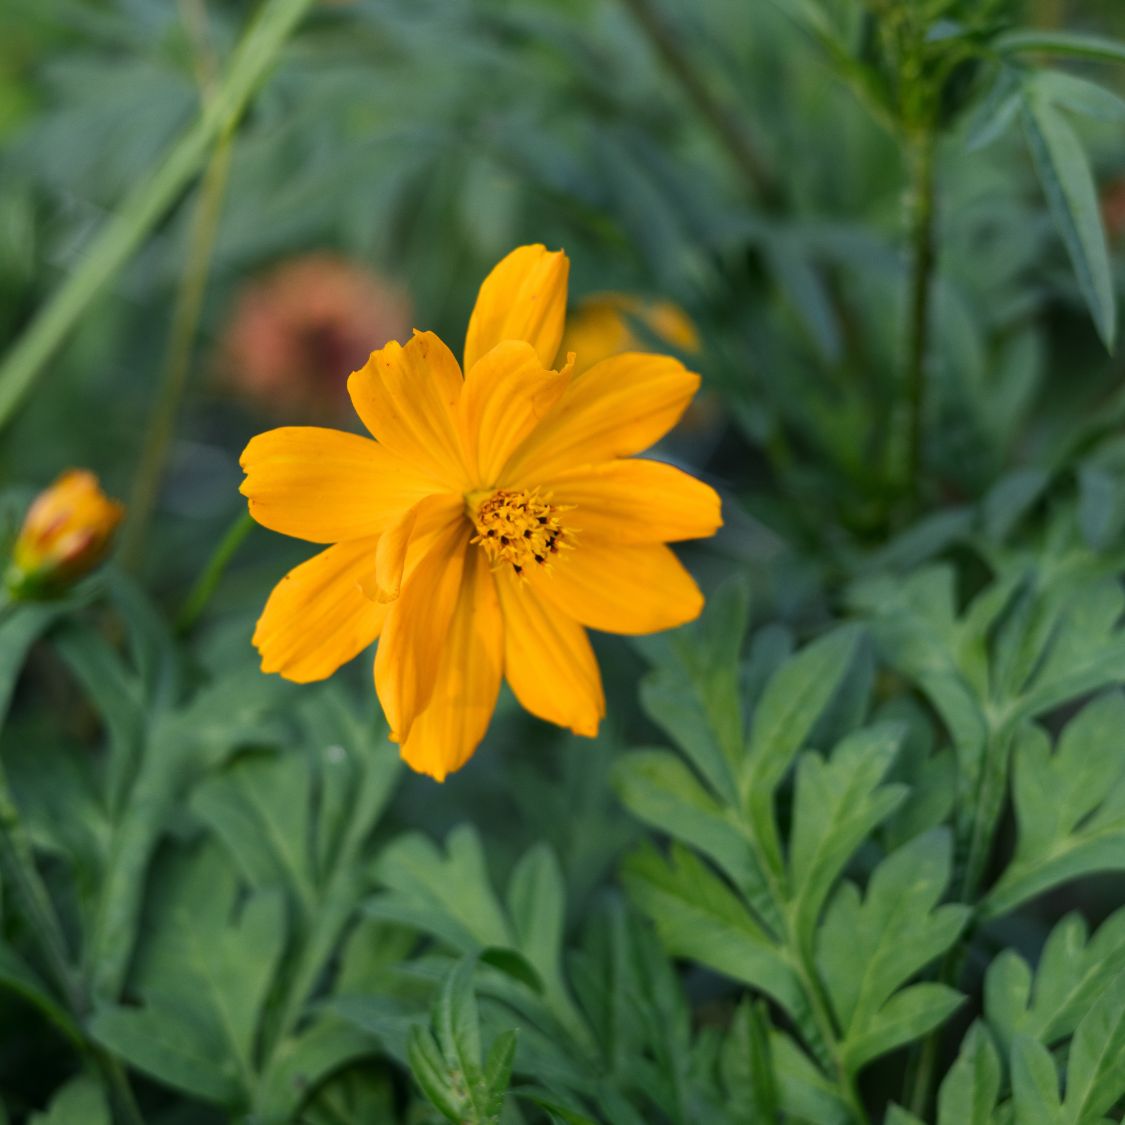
(1076, 94)
(698, 916)
(794, 699)
(867, 950)
(1068, 183)
(693, 693)
(1072, 973)
(204, 971)
(1070, 805)
(79, 1102)
(968, 1094)
(1095, 1074)
(1076, 44)
(20, 978)
(449, 896)
(660, 790)
(747, 1065)
(172, 1049)
(838, 804)
(1035, 1083)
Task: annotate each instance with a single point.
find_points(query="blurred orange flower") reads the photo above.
(1113, 208)
(65, 534)
(296, 332)
(497, 516)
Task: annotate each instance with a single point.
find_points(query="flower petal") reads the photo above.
(523, 298)
(407, 397)
(409, 655)
(444, 736)
(325, 485)
(641, 588)
(507, 393)
(619, 407)
(318, 617)
(636, 501)
(548, 660)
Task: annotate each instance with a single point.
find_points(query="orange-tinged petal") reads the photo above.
(507, 394)
(632, 589)
(409, 655)
(444, 736)
(318, 617)
(548, 660)
(407, 397)
(619, 407)
(523, 298)
(636, 501)
(325, 485)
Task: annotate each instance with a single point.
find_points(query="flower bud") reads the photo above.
(65, 534)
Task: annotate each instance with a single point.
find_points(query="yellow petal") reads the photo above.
(410, 648)
(451, 727)
(619, 407)
(633, 589)
(325, 485)
(407, 397)
(507, 394)
(636, 501)
(390, 558)
(548, 660)
(318, 617)
(523, 298)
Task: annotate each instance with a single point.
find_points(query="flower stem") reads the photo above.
(208, 580)
(177, 360)
(923, 251)
(144, 207)
(728, 126)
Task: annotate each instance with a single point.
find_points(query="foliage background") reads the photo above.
(257, 910)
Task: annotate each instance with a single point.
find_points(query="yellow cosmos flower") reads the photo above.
(65, 534)
(495, 517)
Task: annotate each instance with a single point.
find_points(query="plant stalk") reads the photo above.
(923, 253)
(208, 580)
(144, 207)
(728, 126)
(177, 359)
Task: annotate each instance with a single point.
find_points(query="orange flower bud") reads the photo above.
(65, 534)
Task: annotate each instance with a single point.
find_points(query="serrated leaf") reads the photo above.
(698, 916)
(793, 700)
(1095, 1074)
(838, 804)
(1064, 172)
(867, 950)
(658, 788)
(968, 1094)
(1070, 805)
(1073, 971)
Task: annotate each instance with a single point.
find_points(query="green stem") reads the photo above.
(727, 125)
(923, 260)
(209, 579)
(144, 207)
(177, 360)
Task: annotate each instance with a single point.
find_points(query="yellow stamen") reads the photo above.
(520, 528)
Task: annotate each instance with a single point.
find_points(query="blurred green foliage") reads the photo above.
(852, 850)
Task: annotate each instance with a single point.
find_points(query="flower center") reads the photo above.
(520, 528)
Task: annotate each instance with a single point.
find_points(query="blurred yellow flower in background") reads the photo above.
(296, 332)
(495, 517)
(67, 531)
(605, 325)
